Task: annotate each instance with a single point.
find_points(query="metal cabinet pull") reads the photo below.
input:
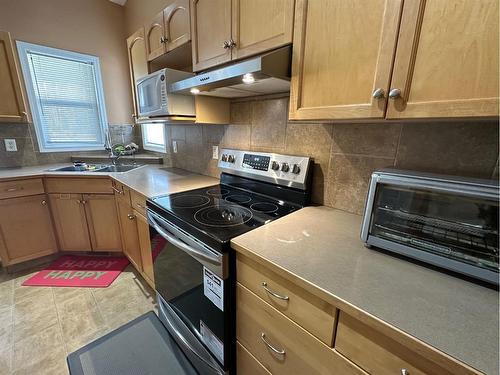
(139, 205)
(10, 190)
(44, 202)
(277, 351)
(378, 93)
(274, 294)
(116, 190)
(226, 44)
(232, 43)
(405, 371)
(131, 216)
(395, 93)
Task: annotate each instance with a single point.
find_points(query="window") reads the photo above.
(153, 137)
(66, 98)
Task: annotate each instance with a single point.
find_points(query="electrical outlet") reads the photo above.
(10, 145)
(215, 152)
(174, 146)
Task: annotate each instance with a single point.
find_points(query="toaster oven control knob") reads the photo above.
(224, 157)
(275, 166)
(285, 167)
(296, 169)
(231, 159)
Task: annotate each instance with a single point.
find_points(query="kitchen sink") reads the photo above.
(98, 168)
(119, 168)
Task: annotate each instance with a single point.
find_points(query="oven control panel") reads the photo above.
(287, 170)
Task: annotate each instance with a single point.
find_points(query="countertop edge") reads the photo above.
(383, 327)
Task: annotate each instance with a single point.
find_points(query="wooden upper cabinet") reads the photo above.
(25, 229)
(342, 53)
(102, 220)
(155, 34)
(12, 104)
(210, 28)
(138, 62)
(177, 23)
(260, 25)
(447, 60)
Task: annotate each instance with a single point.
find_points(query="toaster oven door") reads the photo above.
(454, 230)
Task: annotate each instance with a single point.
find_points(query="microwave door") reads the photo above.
(149, 97)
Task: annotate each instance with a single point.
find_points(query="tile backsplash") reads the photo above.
(345, 154)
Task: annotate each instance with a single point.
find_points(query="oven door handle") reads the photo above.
(182, 245)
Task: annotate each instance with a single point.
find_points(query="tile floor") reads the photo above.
(40, 326)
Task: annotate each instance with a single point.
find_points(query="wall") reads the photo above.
(345, 154)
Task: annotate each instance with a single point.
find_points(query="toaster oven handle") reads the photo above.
(199, 254)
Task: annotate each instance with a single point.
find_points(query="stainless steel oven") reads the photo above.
(192, 283)
(447, 221)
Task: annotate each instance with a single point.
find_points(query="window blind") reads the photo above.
(65, 92)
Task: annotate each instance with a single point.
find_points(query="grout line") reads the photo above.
(59, 322)
(399, 142)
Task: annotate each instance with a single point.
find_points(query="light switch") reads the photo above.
(174, 146)
(215, 152)
(10, 145)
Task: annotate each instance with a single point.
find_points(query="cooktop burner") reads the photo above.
(221, 211)
(223, 215)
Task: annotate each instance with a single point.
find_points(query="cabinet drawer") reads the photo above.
(78, 185)
(19, 188)
(260, 328)
(247, 364)
(138, 202)
(379, 354)
(308, 311)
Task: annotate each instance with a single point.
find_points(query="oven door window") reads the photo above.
(179, 279)
(451, 225)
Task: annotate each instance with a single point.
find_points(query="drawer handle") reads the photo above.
(116, 190)
(405, 371)
(131, 216)
(140, 205)
(274, 294)
(277, 351)
(10, 190)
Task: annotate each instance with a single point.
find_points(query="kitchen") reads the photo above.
(258, 176)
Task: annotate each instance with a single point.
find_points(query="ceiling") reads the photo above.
(119, 2)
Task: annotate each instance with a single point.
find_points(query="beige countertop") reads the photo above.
(321, 247)
(149, 180)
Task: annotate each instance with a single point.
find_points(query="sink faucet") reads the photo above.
(108, 146)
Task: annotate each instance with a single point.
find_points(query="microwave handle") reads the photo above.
(182, 245)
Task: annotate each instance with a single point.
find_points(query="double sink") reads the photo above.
(98, 168)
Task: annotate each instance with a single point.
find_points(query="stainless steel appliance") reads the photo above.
(264, 74)
(155, 99)
(190, 238)
(447, 221)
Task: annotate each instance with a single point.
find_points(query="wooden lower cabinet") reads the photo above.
(145, 245)
(25, 229)
(130, 237)
(247, 364)
(102, 221)
(281, 345)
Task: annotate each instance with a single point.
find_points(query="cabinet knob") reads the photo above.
(44, 202)
(232, 43)
(226, 44)
(395, 93)
(131, 216)
(378, 93)
(405, 371)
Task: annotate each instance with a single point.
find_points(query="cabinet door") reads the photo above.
(12, 105)
(130, 238)
(26, 230)
(70, 222)
(260, 25)
(102, 220)
(145, 245)
(177, 24)
(447, 60)
(138, 62)
(211, 27)
(342, 54)
(155, 32)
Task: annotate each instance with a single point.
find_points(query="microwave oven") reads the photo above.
(154, 98)
(447, 221)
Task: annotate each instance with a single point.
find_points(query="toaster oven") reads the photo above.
(449, 222)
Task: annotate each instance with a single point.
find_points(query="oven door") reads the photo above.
(193, 285)
(152, 95)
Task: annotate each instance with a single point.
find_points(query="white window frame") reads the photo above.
(23, 48)
(154, 146)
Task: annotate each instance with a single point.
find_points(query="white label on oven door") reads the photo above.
(213, 288)
(212, 342)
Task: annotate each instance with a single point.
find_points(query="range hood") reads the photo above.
(265, 74)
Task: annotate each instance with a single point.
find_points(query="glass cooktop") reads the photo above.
(222, 211)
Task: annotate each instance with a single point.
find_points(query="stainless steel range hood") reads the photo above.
(266, 74)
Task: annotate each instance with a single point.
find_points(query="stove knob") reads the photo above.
(224, 157)
(275, 166)
(230, 158)
(296, 169)
(285, 167)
